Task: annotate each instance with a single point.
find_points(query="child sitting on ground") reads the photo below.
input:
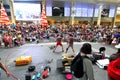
(100, 54)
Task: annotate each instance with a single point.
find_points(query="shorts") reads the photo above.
(59, 44)
(70, 45)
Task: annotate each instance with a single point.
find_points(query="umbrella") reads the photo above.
(43, 20)
(3, 16)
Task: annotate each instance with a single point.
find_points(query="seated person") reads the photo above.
(116, 54)
(0, 40)
(100, 54)
(16, 42)
(1, 31)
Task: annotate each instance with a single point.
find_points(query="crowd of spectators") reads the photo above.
(16, 35)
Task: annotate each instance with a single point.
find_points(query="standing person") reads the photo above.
(58, 43)
(10, 40)
(116, 55)
(70, 43)
(86, 63)
(6, 39)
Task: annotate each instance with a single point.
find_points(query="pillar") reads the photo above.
(114, 19)
(99, 15)
(92, 19)
(12, 11)
(72, 13)
(5, 1)
(43, 2)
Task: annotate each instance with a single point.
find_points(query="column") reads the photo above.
(5, 1)
(92, 19)
(72, 13)
(114, 19)
(43, 2)
(12, 11)
(99, 15)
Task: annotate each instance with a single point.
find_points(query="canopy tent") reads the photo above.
(43, 20)
(3, 16)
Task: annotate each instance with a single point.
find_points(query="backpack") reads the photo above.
(77, 66)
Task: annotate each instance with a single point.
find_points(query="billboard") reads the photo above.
(27, 11)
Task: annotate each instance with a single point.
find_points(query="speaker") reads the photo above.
(27, 76)
(31, 68)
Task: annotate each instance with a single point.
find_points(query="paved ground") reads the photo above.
(40, 54)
